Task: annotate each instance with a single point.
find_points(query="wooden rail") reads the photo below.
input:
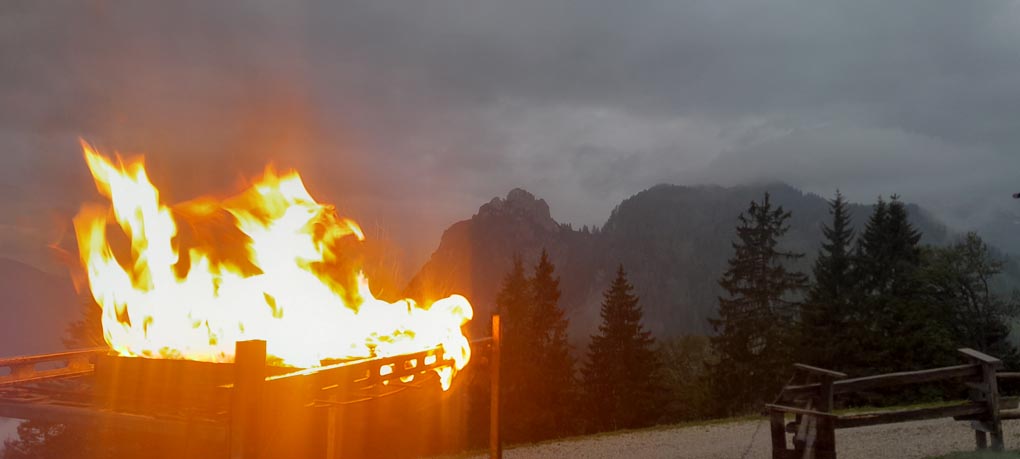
(48, 366)
(847, 386)
(254, 395)
(815, 423)
(204, 430)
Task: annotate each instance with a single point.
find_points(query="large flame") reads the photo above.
(189, 281)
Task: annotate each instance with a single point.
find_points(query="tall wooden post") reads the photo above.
(823, 444)
(988, 373)
(495, 440)
(245, 398)
(777, 422)
(332, 428)
(826, 442)
(990, 387)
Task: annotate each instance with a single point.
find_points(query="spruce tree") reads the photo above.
(897, 329)
(825, 313)
(622, 365)
(868, 263)
(754, 328)
(518, 374)
(889, 251)
(554, 392)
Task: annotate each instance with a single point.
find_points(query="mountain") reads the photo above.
(673, 240)
(36, 308)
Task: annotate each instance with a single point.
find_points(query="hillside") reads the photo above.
(36, 307)
(673, 240)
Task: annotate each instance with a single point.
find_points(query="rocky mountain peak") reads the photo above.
(519, 205)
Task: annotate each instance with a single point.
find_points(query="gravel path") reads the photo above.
(908, 440)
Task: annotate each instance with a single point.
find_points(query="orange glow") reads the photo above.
(189, 281)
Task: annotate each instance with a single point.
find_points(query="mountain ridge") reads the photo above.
(38, 306)
(673, 240)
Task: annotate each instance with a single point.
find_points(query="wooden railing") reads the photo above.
(811, 402)
(48, 366)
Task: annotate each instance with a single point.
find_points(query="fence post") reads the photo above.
(245, 398)
(826, 442)
(495, 440)
(777, 420)
(990, 387)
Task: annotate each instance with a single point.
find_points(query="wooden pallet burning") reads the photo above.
(244, 409)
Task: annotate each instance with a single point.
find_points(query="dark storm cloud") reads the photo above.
(410, 114)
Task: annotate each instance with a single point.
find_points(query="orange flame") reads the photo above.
(190, 281)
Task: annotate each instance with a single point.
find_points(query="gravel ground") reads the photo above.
(908, 440)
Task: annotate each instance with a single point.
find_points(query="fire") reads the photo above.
(188, 281)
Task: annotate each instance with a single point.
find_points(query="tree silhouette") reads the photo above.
(555, 390)
(619, 377)
(538, 371)
(755, 317)
(825, 313)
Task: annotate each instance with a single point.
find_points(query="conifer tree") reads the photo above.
(897, 328)
(756, 315)
(889, 251)
(825, 313)
(870, 247)
(513, 302)
(555, 390)
(619, 377)
(537, 370)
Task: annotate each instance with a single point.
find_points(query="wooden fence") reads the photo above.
(811, 402)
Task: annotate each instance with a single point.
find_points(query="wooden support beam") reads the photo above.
(333, 427)
(990, 384)
(915, 414)
(981, 388)
(1009, 414)
(980, 440)
(826, 438)
(34, 368)
(812, 434)
(980, 357)
(992, 399)
(87, 416)
(245, 413)
(801, 411)
(889, 379)
(820, 371)
(776, 420)
(1007, 410)
(365, 372)
(495, 433)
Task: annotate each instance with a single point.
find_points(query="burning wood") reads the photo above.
(192, 280)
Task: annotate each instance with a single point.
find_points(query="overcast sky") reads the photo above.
(409, 115)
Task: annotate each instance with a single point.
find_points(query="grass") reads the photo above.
(871, 409)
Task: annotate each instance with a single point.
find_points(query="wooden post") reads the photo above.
(495, 440)
(777, 421)
(826, 442)
(980, 439)
(993, 406)
(332, 427)
(812, 435)
(245, 398)
(823, 434)
(990, 387)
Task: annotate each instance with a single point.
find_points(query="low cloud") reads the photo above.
(408, 115)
